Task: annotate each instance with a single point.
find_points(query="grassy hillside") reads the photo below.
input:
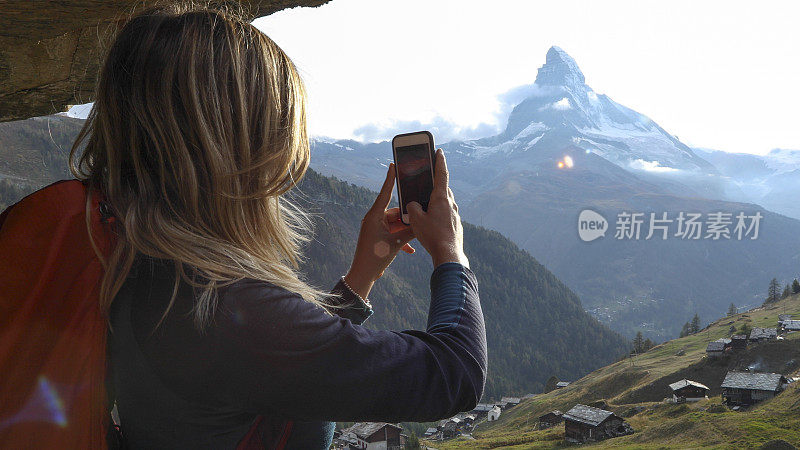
(634, 388)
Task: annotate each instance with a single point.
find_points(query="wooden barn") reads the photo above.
(688, 391)
(739, 342)
(747, 388)
(586, 424)
(790, 325)
(718, 347)
(550, 419)
(510, 402)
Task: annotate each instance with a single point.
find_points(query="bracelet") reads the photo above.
(365, 301)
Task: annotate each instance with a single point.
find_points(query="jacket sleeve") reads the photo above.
(290, 359)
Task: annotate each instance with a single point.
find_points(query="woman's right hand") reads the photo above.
(439, 229)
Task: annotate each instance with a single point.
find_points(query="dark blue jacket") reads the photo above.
(271, 353)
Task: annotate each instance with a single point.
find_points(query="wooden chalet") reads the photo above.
(748, 388)
(739, 342)
(763, 334)
(510, 402)
(586, 424)
(550, 419)
(719, 347)
(688, 391)
(371, 435)
(790, 325)
(481, 409)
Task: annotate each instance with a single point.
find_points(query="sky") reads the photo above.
(717, 74)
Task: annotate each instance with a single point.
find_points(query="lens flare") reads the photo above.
(568, 161)
(561, 164)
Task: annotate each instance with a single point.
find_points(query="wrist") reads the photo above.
(358, 283)
(450, 256)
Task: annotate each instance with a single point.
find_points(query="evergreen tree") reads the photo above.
(413, 442)
(685, 330)
(638, 343)
(774, 291)
(551, 384)
(795, 286)
(787, 291)
(648, 344)
(732, 310)
(695, 327)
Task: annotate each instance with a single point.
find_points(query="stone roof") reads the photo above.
(366, 429)
(683, 383)
(588, 415)
(791, 325)
(753, 381)
(562, 384)
(715, 346)
(763, 333)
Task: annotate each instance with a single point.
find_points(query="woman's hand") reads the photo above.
(382, 235)
(439, 229)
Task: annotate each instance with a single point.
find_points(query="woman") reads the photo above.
(197, 130)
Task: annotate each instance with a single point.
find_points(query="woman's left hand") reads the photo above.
(382, 235)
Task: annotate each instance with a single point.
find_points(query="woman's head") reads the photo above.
(198, 127)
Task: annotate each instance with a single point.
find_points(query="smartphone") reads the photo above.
(414, 159)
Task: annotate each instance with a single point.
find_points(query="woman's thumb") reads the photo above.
(414, 211)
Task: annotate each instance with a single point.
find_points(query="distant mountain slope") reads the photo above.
(622, 162)
(536, 326)
(771, 180)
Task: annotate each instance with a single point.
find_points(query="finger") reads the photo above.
(441, 176)
(385, 196)
(409, 249)
(393, 215)
(415, 212)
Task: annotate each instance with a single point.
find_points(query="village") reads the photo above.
(586, 423)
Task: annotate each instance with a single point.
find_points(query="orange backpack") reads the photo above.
(52, 332)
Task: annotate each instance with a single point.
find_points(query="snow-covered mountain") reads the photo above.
(562, 103)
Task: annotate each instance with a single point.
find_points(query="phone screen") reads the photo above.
(415, 175)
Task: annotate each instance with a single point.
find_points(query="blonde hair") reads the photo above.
(198, 127)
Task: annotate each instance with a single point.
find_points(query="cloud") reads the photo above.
(561, 104)
(651, 166)
(443, 130)
(446, 130)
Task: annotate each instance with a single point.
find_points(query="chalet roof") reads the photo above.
(527, 396)
(753, 381)
(791, 325)
(683, 383)
(367, 429)
(782, 317)
(483, 407)
(715, 346)
(738, 336)
(510, 399)
(562, 384)
(763, 333)
(588, 415)
(554, 412)
(431, 431)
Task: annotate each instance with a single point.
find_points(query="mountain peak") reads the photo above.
(559, 69)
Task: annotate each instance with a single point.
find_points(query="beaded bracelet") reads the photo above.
(366, 301)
